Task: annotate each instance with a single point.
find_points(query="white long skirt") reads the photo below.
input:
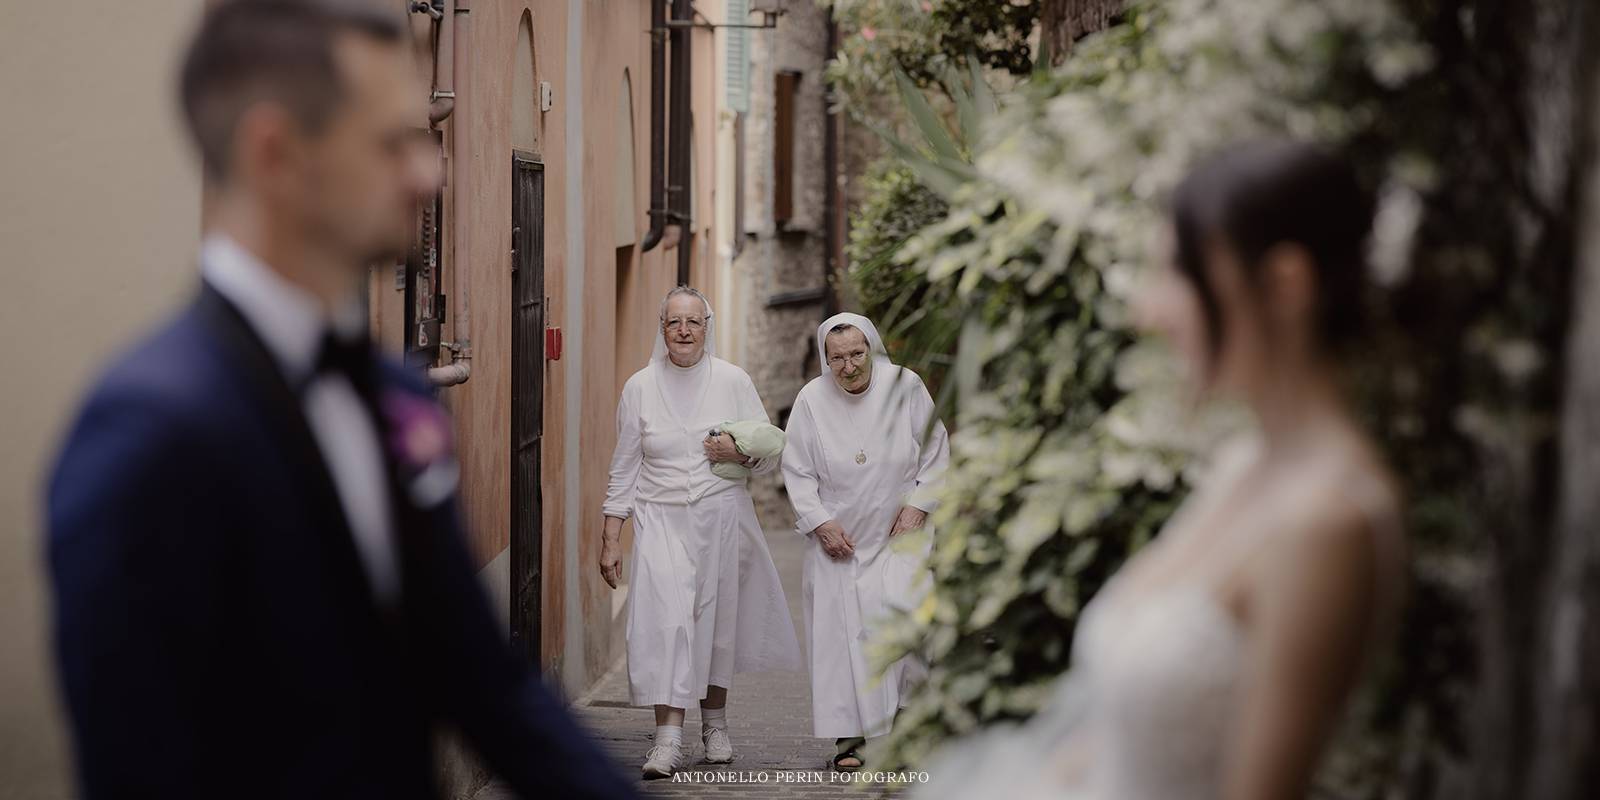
(845, 603)
(705, 601)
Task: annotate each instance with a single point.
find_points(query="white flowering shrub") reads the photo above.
(1072, 444)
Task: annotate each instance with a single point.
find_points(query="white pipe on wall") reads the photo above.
(456, 38)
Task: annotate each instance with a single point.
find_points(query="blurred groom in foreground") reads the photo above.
(261, 588)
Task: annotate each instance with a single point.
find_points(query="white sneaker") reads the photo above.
(719, 748)
(663, 760)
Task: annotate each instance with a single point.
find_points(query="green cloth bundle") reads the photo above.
(753, 439)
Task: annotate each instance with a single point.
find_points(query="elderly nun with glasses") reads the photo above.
(705, 600)
(865, 452)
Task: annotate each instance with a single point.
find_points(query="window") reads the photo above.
(787, 87)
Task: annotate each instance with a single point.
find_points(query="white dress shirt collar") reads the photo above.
(291, 322)
(288, 319)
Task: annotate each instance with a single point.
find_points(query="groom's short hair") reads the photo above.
(246, 51)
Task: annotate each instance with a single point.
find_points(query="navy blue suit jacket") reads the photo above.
(216, 633)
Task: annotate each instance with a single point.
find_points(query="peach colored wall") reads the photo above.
(608, 329)
(615, 38)
(487, 37)
(385, 302)
(482, 404)
(614, 41)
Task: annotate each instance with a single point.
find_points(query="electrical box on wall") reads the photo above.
(547, 96)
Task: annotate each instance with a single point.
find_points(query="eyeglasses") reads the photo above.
(857, 358)
(678, 323)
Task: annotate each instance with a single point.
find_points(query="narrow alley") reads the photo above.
(769, 714)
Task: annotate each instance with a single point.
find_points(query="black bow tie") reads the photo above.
(347, 356)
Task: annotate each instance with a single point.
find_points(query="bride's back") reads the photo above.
(1165, 647)
(1216, 662)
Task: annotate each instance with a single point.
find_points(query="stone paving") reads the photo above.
(769, 720)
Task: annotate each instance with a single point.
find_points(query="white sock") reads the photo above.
(669, 734)
(714, 717)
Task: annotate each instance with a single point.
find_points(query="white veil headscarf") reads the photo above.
(889, 383)
(880, 356)
(658, 353)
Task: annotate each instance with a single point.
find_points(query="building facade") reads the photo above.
(783, 217)
(538, 300)
(531, 295)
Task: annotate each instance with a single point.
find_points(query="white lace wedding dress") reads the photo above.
(1145, 711)
(1141, 716)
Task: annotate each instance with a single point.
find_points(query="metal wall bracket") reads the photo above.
(769, 20)
(802, 297)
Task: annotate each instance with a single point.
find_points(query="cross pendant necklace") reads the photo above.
(861, 454)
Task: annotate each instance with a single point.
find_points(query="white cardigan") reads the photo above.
(659, 456)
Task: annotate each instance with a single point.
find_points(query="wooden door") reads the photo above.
(527, 401)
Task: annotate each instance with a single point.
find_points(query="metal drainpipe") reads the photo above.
(443, 100)
(460, 367)
(682, 87)
(831, 206)
(658, 139)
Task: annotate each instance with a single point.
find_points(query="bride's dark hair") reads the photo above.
(1255, 195)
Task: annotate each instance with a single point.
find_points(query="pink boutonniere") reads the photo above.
(420, 442)
(419, 431)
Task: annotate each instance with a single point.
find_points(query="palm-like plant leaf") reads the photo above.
(944, 161)
(927, 121)
(945, 176)
(983, 97)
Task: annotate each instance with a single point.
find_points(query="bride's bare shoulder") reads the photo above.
(1353, 492)
(1227, 462)
(1340, 527)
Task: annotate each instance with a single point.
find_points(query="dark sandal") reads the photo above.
(849, 752)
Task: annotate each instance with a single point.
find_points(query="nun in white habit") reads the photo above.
(705, 600)
(865, 449)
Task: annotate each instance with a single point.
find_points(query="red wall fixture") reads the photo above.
(552, 344)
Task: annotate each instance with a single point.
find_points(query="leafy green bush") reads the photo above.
(1073, 444)
(895, 207)
(905, 192)
(924, 39)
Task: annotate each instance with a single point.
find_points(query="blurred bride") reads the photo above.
(1216, 663)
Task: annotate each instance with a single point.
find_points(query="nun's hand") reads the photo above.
(611, 551)
(611, 562)
(909, 519)
(834, 541)
(721, 448)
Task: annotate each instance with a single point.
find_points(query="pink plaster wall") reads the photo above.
(616, 330)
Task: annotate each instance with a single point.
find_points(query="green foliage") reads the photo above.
(1072, 443)
(913, 315)
(903, 195)
(924, 39)
(1054, 477)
